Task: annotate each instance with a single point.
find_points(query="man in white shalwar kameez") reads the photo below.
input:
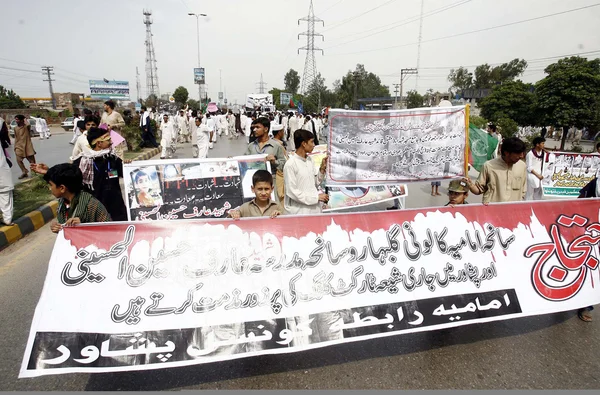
(212, 130)
(183, 127)
(301, 194)
(202, 138)
(169, 137)
(6, 190)
(222, 125)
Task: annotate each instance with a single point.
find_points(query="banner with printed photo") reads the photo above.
(139, 296)
(566, 173)
(398, 146)
(358, 196)
(189, 188)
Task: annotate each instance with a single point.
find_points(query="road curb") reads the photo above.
(147, 155)
(27, 224)
(34, 220)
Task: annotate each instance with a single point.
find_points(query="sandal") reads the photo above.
(584, 315)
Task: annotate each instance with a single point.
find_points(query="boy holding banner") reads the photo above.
(261, 205)
(74, 205)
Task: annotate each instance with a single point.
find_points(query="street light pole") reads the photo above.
(198, 34)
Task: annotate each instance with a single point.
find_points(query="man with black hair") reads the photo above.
(301, 182)
(491, 129)
(82, 144)
(265, 145)
(503, 179)
(535, 169)
(76, 130)
(115, 122)
(75, 206)
(23, 145)
(261, 205)
(148, 138)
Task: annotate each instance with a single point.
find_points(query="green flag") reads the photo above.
(481, 147)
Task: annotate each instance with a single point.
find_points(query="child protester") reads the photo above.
(261, 205)
(74, 205)
(457, 193)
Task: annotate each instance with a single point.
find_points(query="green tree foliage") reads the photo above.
(193, 104)
(151, 101)
(276, 92)
(361, 82)
(460, 79)
(414, 99)
(291, 81)
(569, 94)
(513, 99)
(181, 95)
(478, 122)
(9, 99)
(508, 127)
(486, 76)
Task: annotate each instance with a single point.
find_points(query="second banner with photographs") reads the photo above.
(189, 188)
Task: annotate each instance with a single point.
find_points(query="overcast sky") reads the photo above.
(243, 38)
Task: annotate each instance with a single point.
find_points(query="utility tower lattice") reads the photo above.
(419, 47)
(261, 85)
(310, 65)
(151, 69)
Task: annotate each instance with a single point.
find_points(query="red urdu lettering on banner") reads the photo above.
(575, 257)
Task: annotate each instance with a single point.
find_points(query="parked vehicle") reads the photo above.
(67, 124)
(13, 125)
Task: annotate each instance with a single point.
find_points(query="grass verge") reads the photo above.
(30, 195)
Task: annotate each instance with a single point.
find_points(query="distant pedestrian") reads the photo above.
(168, 140)
(45, 129)
(76, 131)
(115, 122)
(6, 190)
(148, 138)
(23, 145)
(535, 169)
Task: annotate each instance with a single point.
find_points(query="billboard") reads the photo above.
(285, 98)
(259, 100)
(104, 89)
(199, 75)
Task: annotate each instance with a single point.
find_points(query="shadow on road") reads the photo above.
(164, 379)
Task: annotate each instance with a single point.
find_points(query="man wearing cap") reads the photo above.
(458, 190)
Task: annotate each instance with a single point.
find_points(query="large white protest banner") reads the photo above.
(189, 188)
(393, 147)
(148, 295)
(565, 173)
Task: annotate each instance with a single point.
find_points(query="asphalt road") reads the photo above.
(50, 151)
(556, 351)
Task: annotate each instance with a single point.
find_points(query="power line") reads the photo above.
(499, 63)
(476, 31)
(49, 73)
(15, 69)
(404, 22)
(328, 8)
(358, 16)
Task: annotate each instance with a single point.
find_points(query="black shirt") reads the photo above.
(106, 189)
